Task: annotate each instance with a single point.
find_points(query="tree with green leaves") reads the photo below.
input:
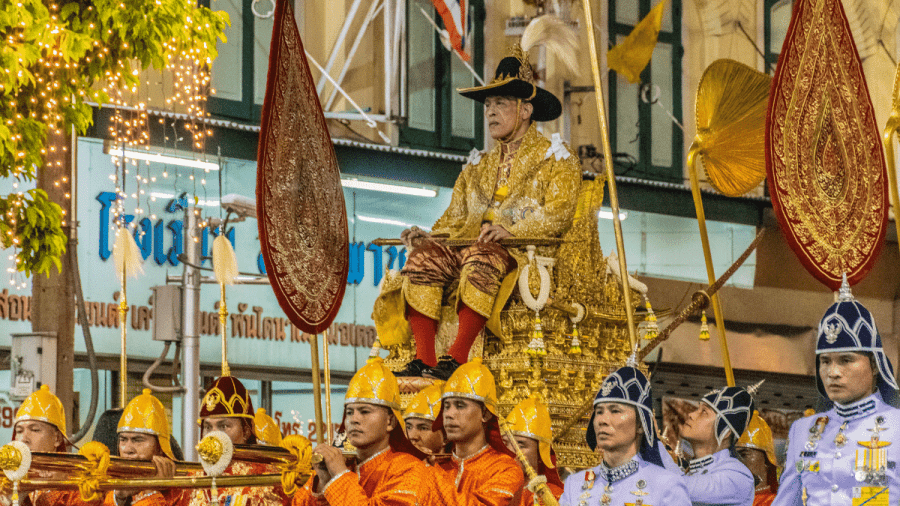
(55, 60)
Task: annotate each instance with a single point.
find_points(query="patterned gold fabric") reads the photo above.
(389, 478)
(426, 403)
(43, 406)
(759, 436)
(474, 274)
(541, 200)
(145, 414)
(266, 428)
(238, 496)
(531, 418)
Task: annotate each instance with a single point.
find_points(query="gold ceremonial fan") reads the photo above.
(731, 126)
(731, 113)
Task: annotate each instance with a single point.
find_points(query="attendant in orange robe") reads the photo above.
(482, 471)
(529, 422)
(390, 469)
(756, 449)
(226, 407)
(40, 424)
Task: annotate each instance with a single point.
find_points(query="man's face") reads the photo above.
(368, 425)
(138, 446)
(847, 376)
(529, 448)
(700, 425)
(463, 418)
(237, 430)
(420, 434)
(503, 115)
(616, 427)
(38, 436)
(754, 459)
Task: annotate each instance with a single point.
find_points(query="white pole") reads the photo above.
(373, 11)
(190, 366)
(338, 43)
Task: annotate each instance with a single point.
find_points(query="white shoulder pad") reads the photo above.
(474, 157)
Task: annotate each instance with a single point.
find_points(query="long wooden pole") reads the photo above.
(330, 427)
(888, 139)
(610, 173)
(707, 256)
(317, 387)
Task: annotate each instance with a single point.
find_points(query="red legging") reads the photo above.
(425, 329)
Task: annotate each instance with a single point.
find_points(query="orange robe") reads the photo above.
(488, 478)
(528, 496)
(388, 478)
(239, 496)
(153, 498)
(50, 497)
(764, 498)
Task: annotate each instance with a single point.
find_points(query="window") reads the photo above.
(639, 127)
(239, 72)
(777, 19)
(437, 117)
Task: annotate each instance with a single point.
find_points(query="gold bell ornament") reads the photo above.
(704, 328)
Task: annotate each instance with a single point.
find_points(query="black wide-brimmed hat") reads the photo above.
(515, 78)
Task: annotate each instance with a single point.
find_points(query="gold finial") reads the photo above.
(210, 450)
(844, 294)
(10, 458)
(526, 71)
(752, 389)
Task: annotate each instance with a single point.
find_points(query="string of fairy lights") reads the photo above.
(131, 96)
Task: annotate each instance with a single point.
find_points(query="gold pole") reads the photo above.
(610, 174)
(223, 319)
(707, 256)
(317, 387)
(330, 427)
(892, 168)
(123, 358)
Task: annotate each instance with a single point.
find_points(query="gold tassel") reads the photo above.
(225, 269)
(575, 347)
(536, 347)
(704, 328)
(652, 327)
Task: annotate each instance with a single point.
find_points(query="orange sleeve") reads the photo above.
(305, 497)
(406, 484)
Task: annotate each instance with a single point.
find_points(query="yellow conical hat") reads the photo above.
(426, 403)
(759, 436)
(374, 383)
(473, 380)
(43, 407)
(145, 414)
(266, 428)
(531, 418)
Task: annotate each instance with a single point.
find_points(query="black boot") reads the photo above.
(413, 368)
(445, 368)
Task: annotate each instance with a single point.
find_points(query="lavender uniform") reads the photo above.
(719, 479)
(828, 457)
(636, 482)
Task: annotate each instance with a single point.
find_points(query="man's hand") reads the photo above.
(412, 236)
(165, 467)
(332, 464)
(493, 233)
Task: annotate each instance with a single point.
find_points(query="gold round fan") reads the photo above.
(731, 126)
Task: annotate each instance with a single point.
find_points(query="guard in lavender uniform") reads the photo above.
(715, 476)
(848, 454)
(631, 471)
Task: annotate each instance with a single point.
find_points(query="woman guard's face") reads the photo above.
(616, 426)
(367, 424)
(847, 376)
(700, 424)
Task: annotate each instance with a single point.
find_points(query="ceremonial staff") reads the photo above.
(699, 301)
(610, 173)
(893, 124)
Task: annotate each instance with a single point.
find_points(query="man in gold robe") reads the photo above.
(525, 187)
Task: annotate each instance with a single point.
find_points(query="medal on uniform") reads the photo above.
(815, 433)
(639, 493)
(871, 463)
(841, 439)
(589, 478)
